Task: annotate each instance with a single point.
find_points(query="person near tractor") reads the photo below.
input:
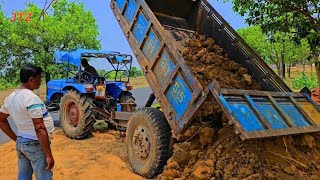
(34, 126)
(87, 68)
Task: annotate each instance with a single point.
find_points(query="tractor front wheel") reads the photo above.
(75, 115)
(148, 139)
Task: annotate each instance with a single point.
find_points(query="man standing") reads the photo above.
(34, 125)
(93, 72)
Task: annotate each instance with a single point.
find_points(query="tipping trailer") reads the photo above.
(152, 29)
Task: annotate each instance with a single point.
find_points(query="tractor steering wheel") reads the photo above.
(85, 77)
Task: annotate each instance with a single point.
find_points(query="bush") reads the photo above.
(4, 84)
(302, 81)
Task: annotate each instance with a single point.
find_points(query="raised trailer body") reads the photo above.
(153, 30)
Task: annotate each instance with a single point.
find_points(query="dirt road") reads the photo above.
(101, 157)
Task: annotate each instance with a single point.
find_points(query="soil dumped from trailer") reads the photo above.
(316, 95)
(212, 149)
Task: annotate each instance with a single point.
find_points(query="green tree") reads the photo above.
(125, 74)
(66, 26)
(134, 72)
(5, 32)
(275, 48)
(299, 18)
(102, 72)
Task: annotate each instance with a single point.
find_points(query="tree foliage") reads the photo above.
(300, 18)
(64, 27)
(135, 72)
(275, 48)
(4, 34)
(123, 74)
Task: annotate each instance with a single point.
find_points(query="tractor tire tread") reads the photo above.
(163, 139)
(84, 104)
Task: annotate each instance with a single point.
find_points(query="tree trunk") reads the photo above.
(279, 69)
(289, 70)
(47, 77)
(283, 63)
(284, 70)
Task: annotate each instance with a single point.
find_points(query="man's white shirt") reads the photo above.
(22, 105)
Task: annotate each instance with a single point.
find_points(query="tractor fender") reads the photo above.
(81, 88)
(52, 94)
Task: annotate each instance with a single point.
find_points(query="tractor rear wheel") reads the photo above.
(148, 139)
(76, 115)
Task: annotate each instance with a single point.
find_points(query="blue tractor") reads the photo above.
(83, 97)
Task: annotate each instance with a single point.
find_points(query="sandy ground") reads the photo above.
(98, 158)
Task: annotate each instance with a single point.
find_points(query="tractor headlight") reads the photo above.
(123, 88)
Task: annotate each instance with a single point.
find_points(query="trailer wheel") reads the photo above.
(75, 115)
(148, 139)
(126, 97)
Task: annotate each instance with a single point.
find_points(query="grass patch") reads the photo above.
(100, 126)
(157, 105)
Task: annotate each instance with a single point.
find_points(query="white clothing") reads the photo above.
(22, 105)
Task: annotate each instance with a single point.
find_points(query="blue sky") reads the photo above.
(111, 35)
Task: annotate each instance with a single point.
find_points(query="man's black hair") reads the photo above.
(84, 62)
(29, 71)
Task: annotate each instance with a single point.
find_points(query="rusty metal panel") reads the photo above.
(164, 68)
(311, 110)
(298, 119)
(140, 27)
(130, 11)
(272, 115)
(151, 45)
(179, 96)
(171, 80)
(261, 114)
(121, 4)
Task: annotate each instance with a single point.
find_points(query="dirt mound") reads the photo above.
(208, 61)
(225, 156)
(212, 149)
(316, 95)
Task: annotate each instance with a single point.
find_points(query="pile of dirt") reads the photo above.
(212, 154)
(208, 61)
(316, 95)
(212, 149)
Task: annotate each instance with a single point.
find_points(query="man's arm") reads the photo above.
(43, 138)
(5, 127)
